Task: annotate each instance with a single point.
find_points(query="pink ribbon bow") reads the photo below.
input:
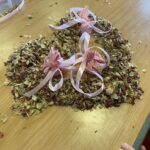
(81, 15)
(53, 65)
(86, 18)
(91, 61)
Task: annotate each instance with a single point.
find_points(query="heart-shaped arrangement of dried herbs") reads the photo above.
(63, 70)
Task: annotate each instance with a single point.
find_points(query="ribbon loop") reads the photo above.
(91, 62)
(52, 65)
(82, 16)
(38, 87)
(76, 84)
(57, 85)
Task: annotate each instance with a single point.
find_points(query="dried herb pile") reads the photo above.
(25, 71)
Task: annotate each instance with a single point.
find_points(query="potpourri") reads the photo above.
(85, 64)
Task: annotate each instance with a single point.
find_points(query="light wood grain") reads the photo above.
(59, 128)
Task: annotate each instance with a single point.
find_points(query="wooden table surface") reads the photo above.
(59, 128)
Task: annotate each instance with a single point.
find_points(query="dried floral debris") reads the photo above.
(107, 2)
(1, 135)
(30, 17)
(25, 71)
(144, 70)
(3, 118)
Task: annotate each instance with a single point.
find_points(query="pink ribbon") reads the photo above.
(91, 61)
(81, 15)
(53, 65)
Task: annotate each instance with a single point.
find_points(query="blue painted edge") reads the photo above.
(140, 139)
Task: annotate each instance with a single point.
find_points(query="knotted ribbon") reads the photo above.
(54, 64)
(90, 61)
(87, 19)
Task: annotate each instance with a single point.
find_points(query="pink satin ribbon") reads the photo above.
(54, 64)
(81, 15)
(4, 18)
(90, 61)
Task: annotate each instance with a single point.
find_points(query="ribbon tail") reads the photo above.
(78, 78)
(66, 25)
(78, 9)
(73, 82)
(80, 73)
(74, 11)
(59, 84)
(99, 30)
(38, 87)
(84, 40)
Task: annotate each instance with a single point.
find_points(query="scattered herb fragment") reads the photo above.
(1, 135)
(30, 17)
(95, 131)
(144, 70)
(3, 118)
